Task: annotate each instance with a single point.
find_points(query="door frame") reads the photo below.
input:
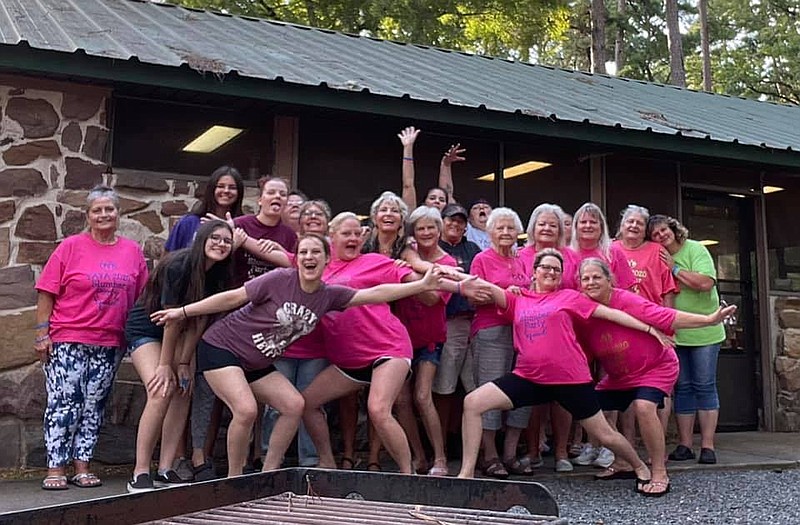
(766, 413)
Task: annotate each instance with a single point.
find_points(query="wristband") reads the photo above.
(408, 158)
(45, 324)
(42, 339)
(675, 270)
(185, 315)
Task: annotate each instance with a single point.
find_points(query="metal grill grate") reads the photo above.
(289, 508)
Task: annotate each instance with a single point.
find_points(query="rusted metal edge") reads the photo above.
(373, 486)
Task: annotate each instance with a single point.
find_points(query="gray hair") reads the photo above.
(389, 196)
(629, 210)
(547, 208)
(317, 203)
(425, 212)
(102, 192)
(503, 213)
(600, 263)
(604, 243)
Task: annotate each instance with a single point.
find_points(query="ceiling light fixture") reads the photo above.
(519, 169)
(212, 139)
(709, 242)
(772, 189)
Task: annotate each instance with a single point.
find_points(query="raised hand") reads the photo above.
(408, 136)
(239, 238)
(453, 154)
(724, 312)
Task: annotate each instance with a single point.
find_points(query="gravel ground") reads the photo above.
(706, 497)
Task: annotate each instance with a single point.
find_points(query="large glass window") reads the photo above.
(781, 194)
(646, 182)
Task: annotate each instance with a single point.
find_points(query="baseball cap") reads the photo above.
(477, 201)
(452, 210)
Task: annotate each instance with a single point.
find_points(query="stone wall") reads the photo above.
(53, 148)
(786, 328)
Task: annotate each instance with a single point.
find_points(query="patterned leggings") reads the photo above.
(78, 379)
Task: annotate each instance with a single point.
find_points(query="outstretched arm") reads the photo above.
(446, 169)
(407, 138)
(385, 293)
(689, 320)
(221, 302)
(623, 319)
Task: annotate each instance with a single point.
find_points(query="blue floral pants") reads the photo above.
(78, 378)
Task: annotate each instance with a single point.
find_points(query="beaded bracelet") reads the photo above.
(42, 339)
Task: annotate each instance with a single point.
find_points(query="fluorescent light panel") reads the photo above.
(212, 138)
(772, 189)
(708, 242)
(519, 169)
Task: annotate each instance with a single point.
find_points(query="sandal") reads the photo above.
(348, 463)
(439, 470)
(85, 480)
(495, 469)
(55, 482)
(519, 466)
(611, 473)
(374, 467)
(640, 483)
(663, 485)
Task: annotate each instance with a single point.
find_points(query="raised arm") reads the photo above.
(446, 169)
(221, 302)
(386, 293)
(407, 138)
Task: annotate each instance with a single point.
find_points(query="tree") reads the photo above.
(598, 16)
(677, 74)
(705, 46)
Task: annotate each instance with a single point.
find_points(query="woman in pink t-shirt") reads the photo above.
(492, 338)
(640, 371)
(86, 289)
(237, 353)
(551, 365)
(547, 228)
(427, 327)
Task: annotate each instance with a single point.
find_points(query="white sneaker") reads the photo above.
(587, 456)
(563, 465)
(604, 458)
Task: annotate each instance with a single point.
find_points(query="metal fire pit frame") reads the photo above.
(397, 488)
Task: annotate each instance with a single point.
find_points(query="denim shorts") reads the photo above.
(430, 354)
(141, 341)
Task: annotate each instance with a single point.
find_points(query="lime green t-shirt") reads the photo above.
(694, 257)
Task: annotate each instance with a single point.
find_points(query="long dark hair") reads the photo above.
(208, 204)
(194, 282)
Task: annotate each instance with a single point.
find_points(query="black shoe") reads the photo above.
(169, 478)
(681, 453)
(205, 472)
(140, 483)
(707, 456)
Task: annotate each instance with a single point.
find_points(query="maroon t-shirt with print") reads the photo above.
(279, 313)
(247, 266)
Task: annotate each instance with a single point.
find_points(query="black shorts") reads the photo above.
(210, 357)
(579, 400)
(622, 399)
(362, 375)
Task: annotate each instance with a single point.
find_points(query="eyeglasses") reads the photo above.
(219, 239)
(312, 213)
(547, 268)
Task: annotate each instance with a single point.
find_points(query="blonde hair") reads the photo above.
(556, 210)
(604, 243)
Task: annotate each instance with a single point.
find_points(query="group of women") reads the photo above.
(293, 308)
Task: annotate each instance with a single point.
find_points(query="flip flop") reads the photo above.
(348, 463)
(613, 473)
(55, 482)
(495, 468)
(640, 483)
(85, 480)
(665, 485)
(374, 467)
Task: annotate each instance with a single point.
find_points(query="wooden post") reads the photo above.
(285, 142)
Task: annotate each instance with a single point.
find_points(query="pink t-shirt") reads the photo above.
(426, 325)
(632, 358)
(278, 314)
(569, 271)
(502, 271)
(654, 279)
(358, 336)
(623, 276)
(544, 336)
(95, 286)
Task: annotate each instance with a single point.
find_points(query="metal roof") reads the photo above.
(167, 35)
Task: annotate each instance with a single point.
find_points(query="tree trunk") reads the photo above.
(677, 74)
(598, 15)
(705, 46)
(619, 42)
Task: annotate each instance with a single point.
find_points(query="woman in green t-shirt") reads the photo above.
(697, 348)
